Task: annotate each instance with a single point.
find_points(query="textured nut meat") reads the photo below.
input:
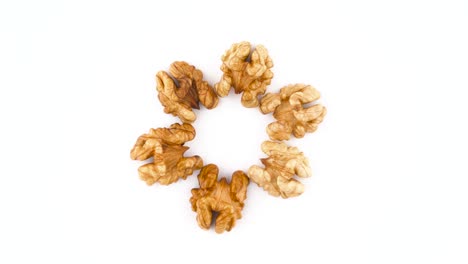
(291, 115)
(282, 164)
(184, 90)
(246, 69)
(165, 145)
(219, 196)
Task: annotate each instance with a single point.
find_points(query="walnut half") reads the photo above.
(246, 69)
(184, 90)
(219, 196)
(291, 115)
(166, 146)
(282, 164)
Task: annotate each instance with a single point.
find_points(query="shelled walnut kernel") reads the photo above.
(166, 146)
(246, 69)
(282, 164)
(183, 89)
(291, 115)
(219, 196)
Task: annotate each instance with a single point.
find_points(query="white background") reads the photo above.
(390, 160)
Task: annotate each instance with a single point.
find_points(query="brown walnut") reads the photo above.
(183, 89)
(166, 146)
(282, 164)
(291, 115)
(246, 69)
(219, 196)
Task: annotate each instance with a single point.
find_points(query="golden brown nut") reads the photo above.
(249, 75)
(291, 115)
(184, 90)
(282, 164)
(219, 196)
(166, 146)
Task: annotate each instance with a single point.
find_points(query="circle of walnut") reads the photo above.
(247, 70)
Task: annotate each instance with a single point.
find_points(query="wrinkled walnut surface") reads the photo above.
(165, 145)
(291, 115)
(282, 164)
(249, 75)
(183, 90)
(219, 196)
